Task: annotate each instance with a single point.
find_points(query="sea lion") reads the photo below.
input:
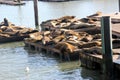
(81, 25)
(6, 23)
(76, 43)
(4, 35)
(90, 44)
(36, 36)
(72, 33)
(58, 38)
(98, 13)
(9, 30)
(91, 21)
(66, 18)
(45, 40)
(46, 33)
(65, 47)
(3, 28)
(92, 50)
(65, 25)
(54, 23)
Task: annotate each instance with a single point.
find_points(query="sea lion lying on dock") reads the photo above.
(98, 13)
(91, 50)
(45, 40)
(65, 47)
(3, 28)
(36, 36)
(80, 25)
(90, 44)
(4, 35)
(59, 38)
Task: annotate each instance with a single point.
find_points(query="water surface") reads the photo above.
(24, 15)
(15, 59)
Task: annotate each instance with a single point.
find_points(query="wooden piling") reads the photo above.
(107, 47)
(36, 13)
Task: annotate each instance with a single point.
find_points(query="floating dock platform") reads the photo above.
(51, 51)
(89, 59)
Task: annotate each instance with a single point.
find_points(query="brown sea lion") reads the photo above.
(98, 13)
(81, 25)
(36, 36)
(90, 44)
(72, 33)
(9, 30)
(4, 35)
(88, 20)
(76, 43)
(45, 40)
(3, 28)
(54, 23)
(92, 50)
(91, 21)
(65, 18)
(65, 47)
(46, 33)
(58, 38)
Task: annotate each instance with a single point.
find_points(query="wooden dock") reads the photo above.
(92, 61)
(96, 60)
(11, 2)
(52, 51)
